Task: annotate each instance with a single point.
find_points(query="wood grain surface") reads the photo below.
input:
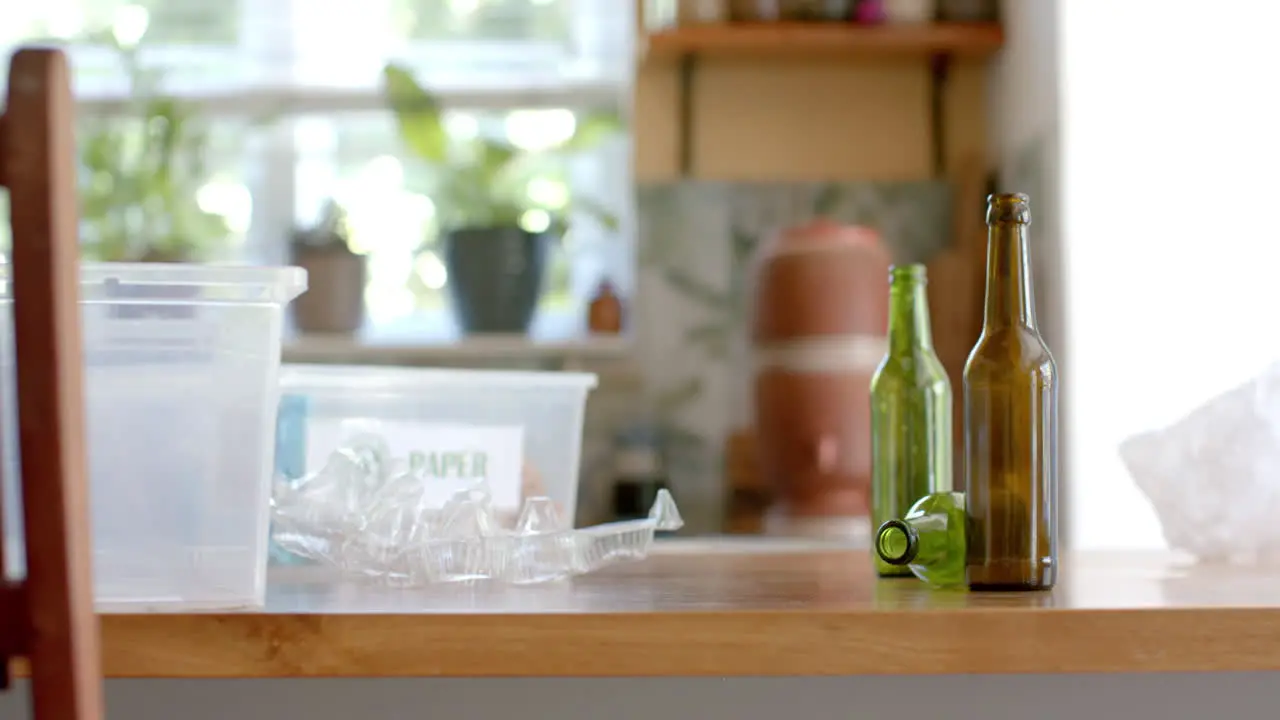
(723, 614)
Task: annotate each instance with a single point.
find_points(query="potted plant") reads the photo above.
(494, 256)
(139, 174)
(335, 273)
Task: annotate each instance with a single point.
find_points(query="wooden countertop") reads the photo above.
(803, 612)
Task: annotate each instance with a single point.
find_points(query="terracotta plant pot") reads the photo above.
(334, 302)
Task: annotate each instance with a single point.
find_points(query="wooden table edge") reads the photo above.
(693, 644)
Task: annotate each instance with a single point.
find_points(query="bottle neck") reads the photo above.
(920, 540)
(909, 329)
(1010, 301)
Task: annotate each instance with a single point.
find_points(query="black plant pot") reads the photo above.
(495, 277)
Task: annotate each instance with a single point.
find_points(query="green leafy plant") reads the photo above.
(330, 233)
(139, 175)
(482, 182)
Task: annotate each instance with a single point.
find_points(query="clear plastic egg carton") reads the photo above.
(374, 516)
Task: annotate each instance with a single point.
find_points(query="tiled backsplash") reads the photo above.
(697, 245)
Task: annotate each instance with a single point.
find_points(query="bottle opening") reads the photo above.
(914, 272)
(895, 543)
(1008, 208)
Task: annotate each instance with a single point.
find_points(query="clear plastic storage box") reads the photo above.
(522, 431)
(181, 391)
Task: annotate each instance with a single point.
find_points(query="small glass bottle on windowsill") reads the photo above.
(604, 313)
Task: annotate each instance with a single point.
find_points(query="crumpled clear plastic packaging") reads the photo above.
(1213, 477)
(371, 515)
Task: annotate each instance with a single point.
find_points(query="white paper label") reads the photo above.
(456, 456)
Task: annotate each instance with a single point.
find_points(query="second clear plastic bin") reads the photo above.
(527, 424)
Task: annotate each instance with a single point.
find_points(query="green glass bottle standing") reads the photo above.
(1010, 421)
(929, 540)
(910, 410)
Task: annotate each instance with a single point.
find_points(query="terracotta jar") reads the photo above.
(820, 325)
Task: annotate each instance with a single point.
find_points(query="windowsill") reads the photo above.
(346, 349)
(431, 337)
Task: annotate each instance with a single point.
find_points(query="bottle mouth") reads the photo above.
(1005, 208)
(896, 544)
(913, 273)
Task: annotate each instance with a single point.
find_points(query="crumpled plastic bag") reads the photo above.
(1213, 477)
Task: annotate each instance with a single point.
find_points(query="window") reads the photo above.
(1169, 171)
(290, 93)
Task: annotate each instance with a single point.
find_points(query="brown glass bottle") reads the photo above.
(604, 313)
(1010, 421)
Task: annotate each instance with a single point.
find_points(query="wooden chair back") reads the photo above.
(48, 616)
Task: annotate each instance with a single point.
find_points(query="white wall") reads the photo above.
(1151, 161)
(1170, 147)
(1024, 79)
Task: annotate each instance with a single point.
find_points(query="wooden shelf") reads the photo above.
(958, 39)
(798, 611)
